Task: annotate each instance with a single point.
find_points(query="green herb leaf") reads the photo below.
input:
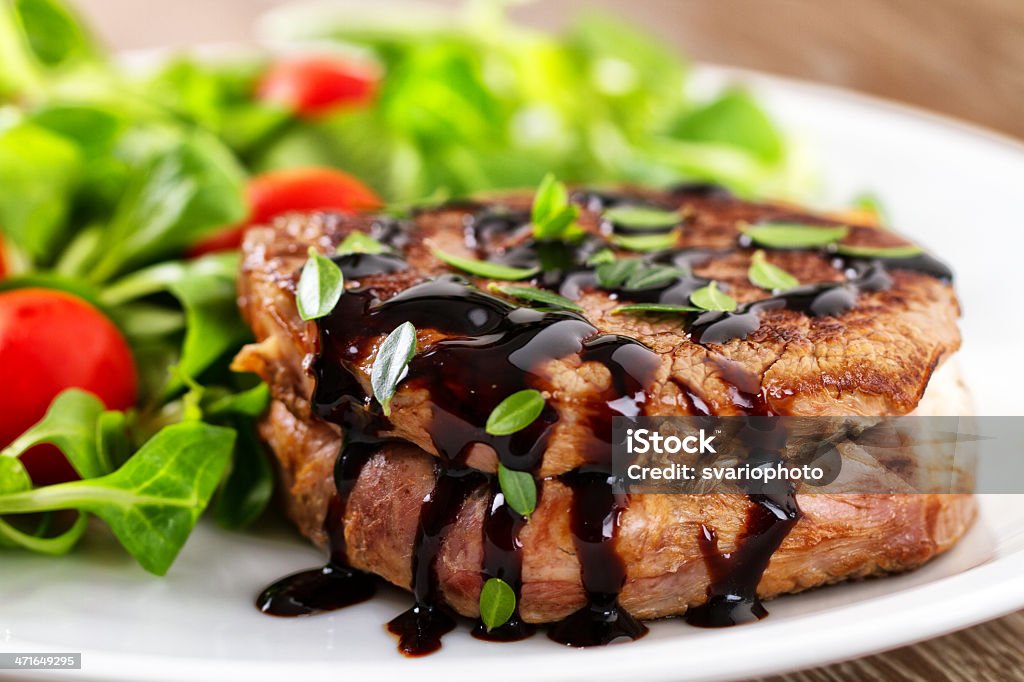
(711, 298)
(359, 242)
(651, 276)
(482, 268)
(642, 217)
(613, 275)
(497, 603)
(515, 412)
(871, 203)
(552, 215)
(601, 257)
(559, 226)
(655, 308)
(70, 424)
(793, 235)
(154, 500)
(392, 363)
(645, 243)
(536, 295)
(519, 489)
(321, 285)
(879, 251)
(550, 198)
(767, 276)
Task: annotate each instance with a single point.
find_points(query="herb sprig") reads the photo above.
(320, 287)
(656, 308)
(392, 364)
(642, 217)
(514, 414)
(519, 489)
(482, 268)
(907, 251)
(712, 298)
(497, 603)
(535, 295)
(767, 276)
(359, 242)
(552, 215)
(647, 243)
(794, 235)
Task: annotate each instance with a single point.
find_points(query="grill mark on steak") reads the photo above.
(524, 342)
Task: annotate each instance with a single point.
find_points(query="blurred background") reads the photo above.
(964, 58)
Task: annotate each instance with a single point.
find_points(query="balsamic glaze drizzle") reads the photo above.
(594, 522)
(420, 629)
(503, 559)
(773, 511)
(335, 585)
(514, 344)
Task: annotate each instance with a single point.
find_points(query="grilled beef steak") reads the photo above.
(412, 497)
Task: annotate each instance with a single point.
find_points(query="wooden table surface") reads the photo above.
(964, 58)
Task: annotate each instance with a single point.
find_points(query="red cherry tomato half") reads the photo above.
(51, 341)
(317, 84)
(293, 190)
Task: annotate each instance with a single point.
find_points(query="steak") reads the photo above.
(861, 336)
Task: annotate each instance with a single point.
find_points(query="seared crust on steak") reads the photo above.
(873, 360)
(840, 537)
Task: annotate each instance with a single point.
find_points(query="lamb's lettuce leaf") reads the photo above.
(154, 500)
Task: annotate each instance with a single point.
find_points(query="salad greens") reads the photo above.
(474, 102)
(153, 501)
(112, 173)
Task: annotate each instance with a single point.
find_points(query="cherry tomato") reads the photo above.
(293, 190)
(51, 341)
(3, 267)
(317, 84)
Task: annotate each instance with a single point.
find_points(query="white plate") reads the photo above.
(956, 188)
